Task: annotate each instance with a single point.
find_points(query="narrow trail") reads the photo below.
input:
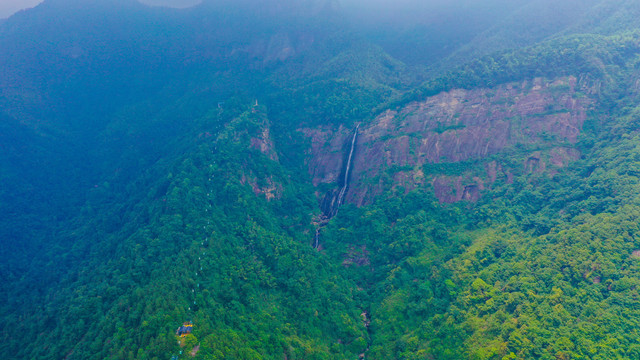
(198, 269)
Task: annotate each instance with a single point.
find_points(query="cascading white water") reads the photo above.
(336, 200)
(316, 238)
(348, 168)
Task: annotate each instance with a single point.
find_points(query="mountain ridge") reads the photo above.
(188, 183)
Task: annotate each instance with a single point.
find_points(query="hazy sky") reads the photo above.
(9, 7)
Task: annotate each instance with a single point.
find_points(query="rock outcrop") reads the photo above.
(431, 142)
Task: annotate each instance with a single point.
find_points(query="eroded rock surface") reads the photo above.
(412, 146)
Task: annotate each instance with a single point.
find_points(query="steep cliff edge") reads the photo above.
(447, 141)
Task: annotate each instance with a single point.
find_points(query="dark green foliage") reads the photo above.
(170, 184)
(588, 55)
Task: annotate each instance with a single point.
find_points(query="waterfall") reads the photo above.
(316, 238)
(333, 199)
(348, 168)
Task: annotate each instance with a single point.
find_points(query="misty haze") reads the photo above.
(319, 179)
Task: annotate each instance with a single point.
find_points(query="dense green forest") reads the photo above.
(156, 169)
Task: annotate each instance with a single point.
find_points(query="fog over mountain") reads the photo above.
(9, 7)
(172, 3)
(314, 179)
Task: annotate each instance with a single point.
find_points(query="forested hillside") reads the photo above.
(300, 183)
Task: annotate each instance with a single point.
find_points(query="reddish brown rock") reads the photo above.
(264, 143)
(453, 127)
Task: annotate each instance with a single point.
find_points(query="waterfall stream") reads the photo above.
(334, 199)
(316, 238)
(330, 209)
(347, 169)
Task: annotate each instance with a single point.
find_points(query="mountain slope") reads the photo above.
(163, 166)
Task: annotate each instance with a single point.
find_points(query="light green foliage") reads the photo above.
(192, 213)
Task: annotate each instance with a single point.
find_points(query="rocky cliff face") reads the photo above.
(433, 142)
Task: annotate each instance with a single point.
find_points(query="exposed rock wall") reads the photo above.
(452, 128)
(264, 142)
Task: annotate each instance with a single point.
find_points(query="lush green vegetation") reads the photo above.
(544, 270)
(139, 194)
